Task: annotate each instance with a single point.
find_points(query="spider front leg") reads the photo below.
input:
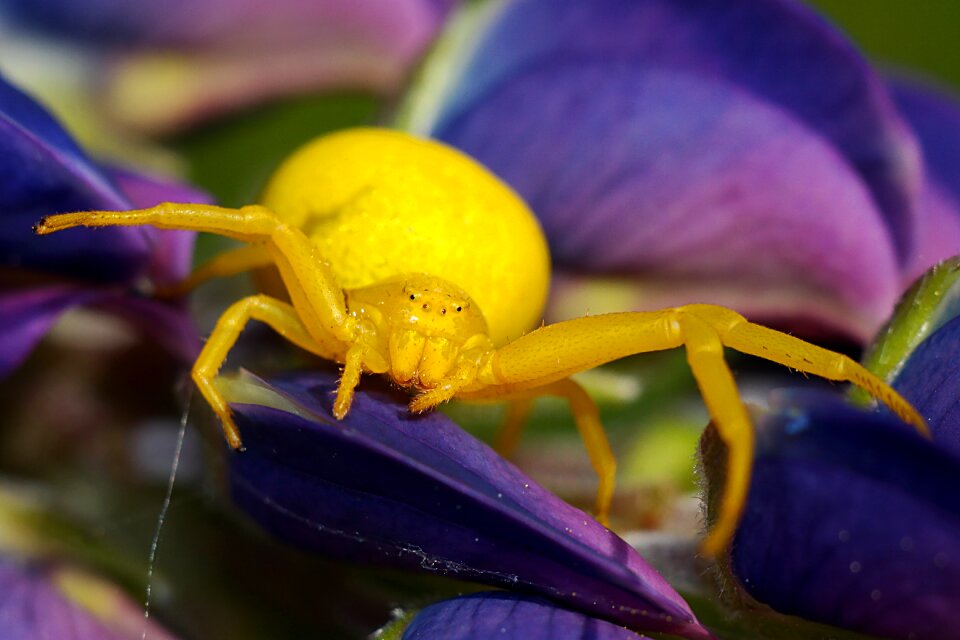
(280, 316)
(318, 302)
(311, 284)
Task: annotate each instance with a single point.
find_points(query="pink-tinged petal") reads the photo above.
(935, 117)
(41, 599)
(396, 26)
(162, 93)
(938, 229)
(182, 61)
(698, 186)
(388, 487)
(732, 144)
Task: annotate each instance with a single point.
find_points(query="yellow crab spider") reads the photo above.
(404, 257)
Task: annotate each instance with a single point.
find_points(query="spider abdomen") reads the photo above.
(379, 204)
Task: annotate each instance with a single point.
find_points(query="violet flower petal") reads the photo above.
(506, 616)
(935, 118)
(650, 136)
(35, 602)
(930, 380)
(390, 25)
(28, 315)
(45, 172)
(417, 492)
(182, 61)
(852, 520)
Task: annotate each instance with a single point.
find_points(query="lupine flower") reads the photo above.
(852, 518)
(167, 66)
(741, 153)
(44, 172)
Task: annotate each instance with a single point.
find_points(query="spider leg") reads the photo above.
(719, 391)
(352, 368)
(784, 349)
(508, 435)
(587, 418)
(309, 280)
(282, 317)
(232, 262)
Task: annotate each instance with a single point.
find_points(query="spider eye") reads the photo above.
(443, 312)
(413, 297)
(459, 308)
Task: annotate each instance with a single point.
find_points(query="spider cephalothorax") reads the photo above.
(427, 328)
(347, 220)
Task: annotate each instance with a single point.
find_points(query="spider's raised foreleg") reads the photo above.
(313, 289)
(318, 300)
(280, 316)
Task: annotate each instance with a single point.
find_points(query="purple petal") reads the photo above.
(699, 142)
(417, 492)
(930, 379)
(935, 118)
(396, 26)
(168, 325)
(852, 520)
(185, 60)
(27, 317)
(45, 172)
(481, 616)
(36, 602)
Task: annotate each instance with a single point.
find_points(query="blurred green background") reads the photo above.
(921, 37)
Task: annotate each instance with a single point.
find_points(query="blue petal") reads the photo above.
(418, 492)
(505, 616)
(930, 379)
(852, 520)
(45, 172)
